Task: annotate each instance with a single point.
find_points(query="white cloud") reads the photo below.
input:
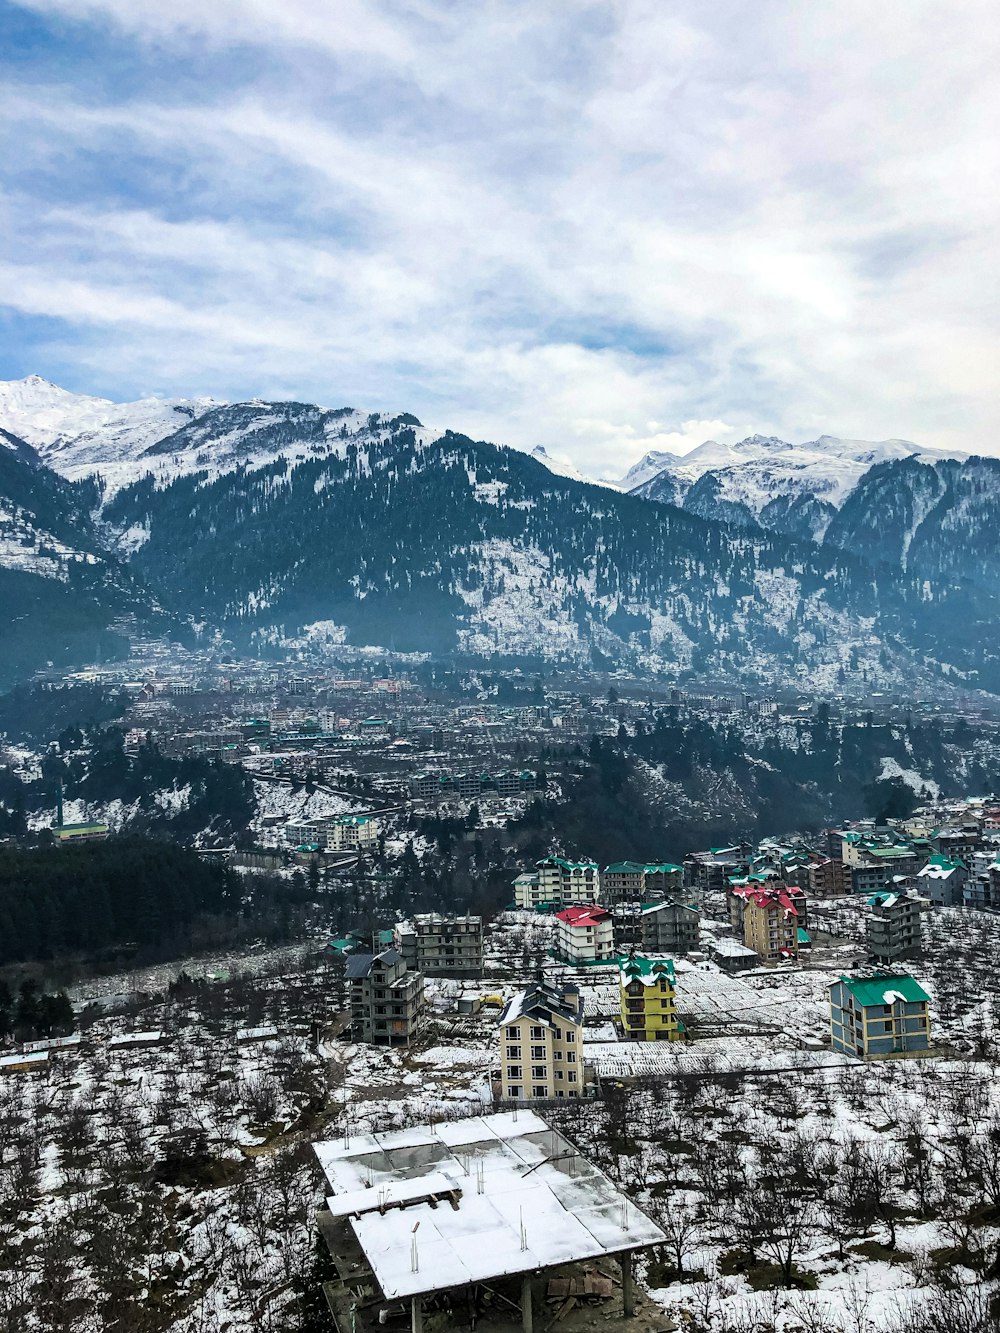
(604, 228)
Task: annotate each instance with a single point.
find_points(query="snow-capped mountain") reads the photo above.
(564, 467)
(286, 523)
(78, 434)
(763, 480)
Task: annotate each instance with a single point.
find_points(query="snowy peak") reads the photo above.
(560, 467)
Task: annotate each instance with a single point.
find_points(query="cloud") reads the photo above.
(603, 228)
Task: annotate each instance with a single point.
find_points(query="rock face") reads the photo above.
(284, 523)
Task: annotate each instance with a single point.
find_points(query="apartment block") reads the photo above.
(769, 918)
(541, 1043)
(640, 881)
(648, 1010)
(893, 926)
(879, 1017)
(669, 928)
(584, 935)
(556, 880)
(442, 946)
(387, 999)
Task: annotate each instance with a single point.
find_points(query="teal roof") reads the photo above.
(644, 868)
(875, 990)
(803, 936)
(640, 965)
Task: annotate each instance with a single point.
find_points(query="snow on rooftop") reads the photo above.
(524, 1199)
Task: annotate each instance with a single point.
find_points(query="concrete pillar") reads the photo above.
(416, 1314)
(628, 1286)
(527, 1314)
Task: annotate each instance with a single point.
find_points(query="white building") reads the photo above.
(585, 935)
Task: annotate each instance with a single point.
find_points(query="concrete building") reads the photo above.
(565, 882)
(879, 1016)
(708, 871)
(893, 926)
(424, 1221)
(640, 881)
(584, 935)
(648, 1011)
(942, 881)
(769, 918)
(353, 833)
(442, 946)
(387, 999)
(669, 928)
(541, 1044)
(528, 891)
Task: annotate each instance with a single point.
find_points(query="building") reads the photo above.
(669, 928)
(708, 871)
(442, 946)
(877, 867)
(562, 881)
(528, 892)
(647, 987)
(387, 999)
(769, 917)
(732, 956)
(350, 833)
(879, 1016)
(429, 1217)
(893, 926)
(541, 1044)
(942, 881)
(584, 935)
(65, 834)
(640, 881)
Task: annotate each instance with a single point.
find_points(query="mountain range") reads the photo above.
(280, 526)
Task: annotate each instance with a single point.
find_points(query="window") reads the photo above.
(557, 1055)
(571, 1057)
(559, 1076)
(513, 1034)
(513, 1052)
(538, 1052)
(537, 1034)
(540, 1090)
(513, 1071)
(514, 1090)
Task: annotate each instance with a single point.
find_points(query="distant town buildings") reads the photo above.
(640, 881)
(893, 925)
(768, 918)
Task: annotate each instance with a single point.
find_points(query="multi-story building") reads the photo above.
(669, 928)
(584, 934)
(335, 833)
(352, 833)
(541, 1043)
(877, 867)
(879, 1016)
(769, 917)
(942, 881)
(528, 891)
(647, 987)
(387, 999)
(957, 843)
(442, 946)
(893, 926)
(566, 881)
(640, 881)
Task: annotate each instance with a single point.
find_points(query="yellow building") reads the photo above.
(541, 1044)
(648, 1011)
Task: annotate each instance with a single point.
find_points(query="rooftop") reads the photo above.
(885, 989)
(518, 1196)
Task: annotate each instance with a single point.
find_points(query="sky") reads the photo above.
(603, 226)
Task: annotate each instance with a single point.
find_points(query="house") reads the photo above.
(528, 891)
(769, 917)
(732, 956)
(584, 934)
(647, 987)
(640, 881)
(879, 1016)
(708, 871)
(541, 1043)
(442, 946)
(942, 881)
(893, 925)
(387, 999)
(669, 928)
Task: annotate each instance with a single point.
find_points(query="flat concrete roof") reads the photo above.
(521, 1197)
